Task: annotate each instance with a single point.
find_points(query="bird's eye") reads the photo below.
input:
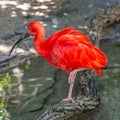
(30, 29)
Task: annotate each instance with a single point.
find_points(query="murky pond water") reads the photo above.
(42, 85)
(37, 88)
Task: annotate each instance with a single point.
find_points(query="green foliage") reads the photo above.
(5, 84)
(3, 111)
(4, 79)
(5, 91)
(26, 66)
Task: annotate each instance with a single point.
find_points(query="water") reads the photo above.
(47, 86)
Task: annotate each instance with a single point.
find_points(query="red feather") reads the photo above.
(69, 49)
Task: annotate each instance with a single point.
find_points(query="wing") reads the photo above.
(75, 51)
(62, 34)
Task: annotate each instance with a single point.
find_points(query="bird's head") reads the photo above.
(32, 30)
(34, 27)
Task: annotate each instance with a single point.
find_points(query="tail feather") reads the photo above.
(99, 71)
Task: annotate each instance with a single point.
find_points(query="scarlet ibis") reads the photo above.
(68, 49)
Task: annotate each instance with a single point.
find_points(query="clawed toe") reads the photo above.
(69, 99)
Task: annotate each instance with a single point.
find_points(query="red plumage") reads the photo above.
(68, 49)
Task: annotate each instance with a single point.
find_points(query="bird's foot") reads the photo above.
(69, 99)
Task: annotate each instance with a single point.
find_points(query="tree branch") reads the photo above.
(65, 110)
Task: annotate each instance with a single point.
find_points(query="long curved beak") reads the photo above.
(23, 36)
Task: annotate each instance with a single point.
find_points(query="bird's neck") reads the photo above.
(39, 36)
(39, 44)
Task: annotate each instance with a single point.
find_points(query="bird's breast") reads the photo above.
(54, 61)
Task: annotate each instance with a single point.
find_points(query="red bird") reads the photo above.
(68, 50)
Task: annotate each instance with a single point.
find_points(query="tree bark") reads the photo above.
(83, 103)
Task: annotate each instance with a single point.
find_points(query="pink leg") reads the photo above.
(71, 79)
